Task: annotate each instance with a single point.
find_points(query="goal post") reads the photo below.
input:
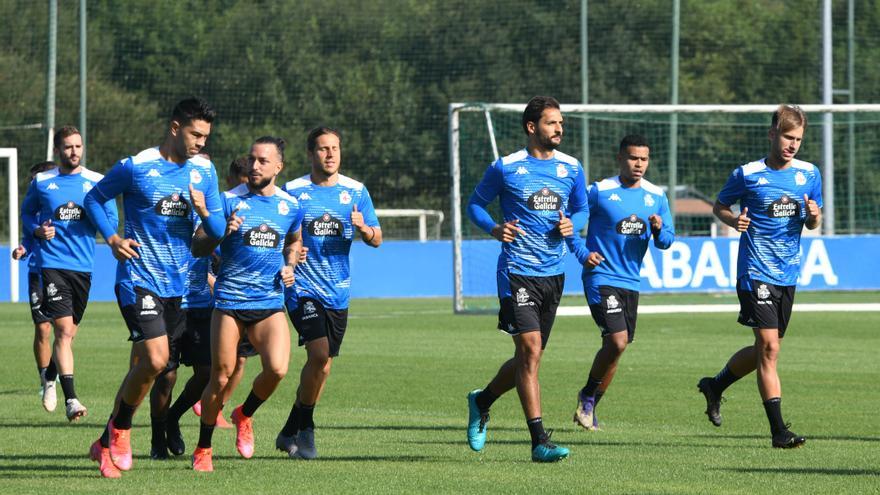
(706, 142)
(11, 156)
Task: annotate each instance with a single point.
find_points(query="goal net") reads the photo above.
(693, 150)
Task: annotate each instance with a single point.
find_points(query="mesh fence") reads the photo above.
(385, 71)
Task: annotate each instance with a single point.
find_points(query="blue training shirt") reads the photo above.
(32, 252)
(533, 191)
(198, 292)
(620, 231)
(328, 233)
(769, 250)
(60, 198)
(158, 216)
(251, 258)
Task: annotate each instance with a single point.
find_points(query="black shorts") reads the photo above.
(245, 348)
(152, 316)
(35, 292)
(195, 345)
(766, 305)
(313, 321)
(531, 306)
(250, 316)
(617, 311)
(65, 293)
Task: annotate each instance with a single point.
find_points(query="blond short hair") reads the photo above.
(788, 117)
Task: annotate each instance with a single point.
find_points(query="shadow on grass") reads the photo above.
(842, 438)
(61, 423)
(410, 428)
(796, 470)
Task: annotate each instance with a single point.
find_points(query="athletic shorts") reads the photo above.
(65, 293)
(764, 305)
(531, 305)
(35, 291)
(152, 316)
(616, 311)
(195, 345)
(250, 316)
(313, 321)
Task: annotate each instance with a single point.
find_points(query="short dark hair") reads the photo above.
(192, 108)
(238, 167)
(41, 167)
(277, 141)
(636, 140)
(788, 117)
(61, 134)
(314, 134)
(535, 107)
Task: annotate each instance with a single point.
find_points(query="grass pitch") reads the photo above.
(392, 419)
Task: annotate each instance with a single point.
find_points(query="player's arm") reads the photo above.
(117, 181)
(30, 211)
(813, 205)
(364, 219)
(578, 204)
(209, 206)
(734, 189)
(662, 227)
(486, 192)
(292, 250)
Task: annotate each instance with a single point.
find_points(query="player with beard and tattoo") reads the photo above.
(159, 187)
(53, 211)
(542, 193)
(262, 233)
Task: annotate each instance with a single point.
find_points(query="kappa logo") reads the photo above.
(344, 197)
(51, 289)
(242, 206)
(148, 303)
(614, 197)
(800, 179)
(762, 181)
(52, 186)
(649, 200)
(153, 173)
(763, 292)
(87, 186)
(611, 302)
(194, 176)
(283, 208)
(521, 170)
(304, 195)
(561, 171)
(522, 296)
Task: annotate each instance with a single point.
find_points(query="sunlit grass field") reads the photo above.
(393, 415)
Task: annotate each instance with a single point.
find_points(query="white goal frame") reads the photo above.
(455, 110)
(11, 155)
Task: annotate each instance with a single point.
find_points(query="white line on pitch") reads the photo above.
(721, 308)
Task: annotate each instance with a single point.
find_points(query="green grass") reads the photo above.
(392, 418)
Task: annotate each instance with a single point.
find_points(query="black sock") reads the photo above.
(590, 388)
(180, 406)
(105, 435)
(158, 427)
(598, 396)
(205, 434)
(290, 427)
(51, 371)
(67, 387)
(122, 421)
(305, 417)
(536, 430)
(42, 373)
(251, 404)
(773, 408)
(723, 379)
(485, 399)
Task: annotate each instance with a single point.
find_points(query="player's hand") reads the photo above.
(287, 275)
(743, 220)
(303, 254)
(46, 231)
(811, 207)
(198, 202)
(594, 259)
(566, 228)
(123, 249)
(18, 253)
(357, 219)
(656, 222)
(233, 223)
(507, 231)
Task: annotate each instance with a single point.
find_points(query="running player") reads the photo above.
(536, 186)
(778, 196)
(249, 293)
(53, 211)
(336, 209)
(626, 211)
(159, 186)
(30, 250)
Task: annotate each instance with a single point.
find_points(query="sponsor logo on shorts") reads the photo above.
(283, 208)
(544, 200)
(763, 294)
(70, 211)
(522, 297)
(561, 171)
(344, 197)
(35, 298)
(784, 207)
(800, 179)
(173, 205)
(612, 304)
(326, 226)
(148, 306)
(194, 176)
(649, 200)
(632, 226)
(309, 311)
(51, 289)
(262, 236)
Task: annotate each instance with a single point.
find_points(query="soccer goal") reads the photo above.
(693, 150)
(11, 156)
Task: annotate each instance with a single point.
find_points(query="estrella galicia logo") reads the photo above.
(173, 205)
(326, 225)
(784, 207)
(545, 200)
(70, 211)
(632, 225)
(262, 236)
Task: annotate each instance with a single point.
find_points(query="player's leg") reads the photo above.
(46, 368)
(300, 426)
(163, 387)
(66, 297)
(195, 352)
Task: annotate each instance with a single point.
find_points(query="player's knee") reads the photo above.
(277, 372)
(156, 363)
(769, 350)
